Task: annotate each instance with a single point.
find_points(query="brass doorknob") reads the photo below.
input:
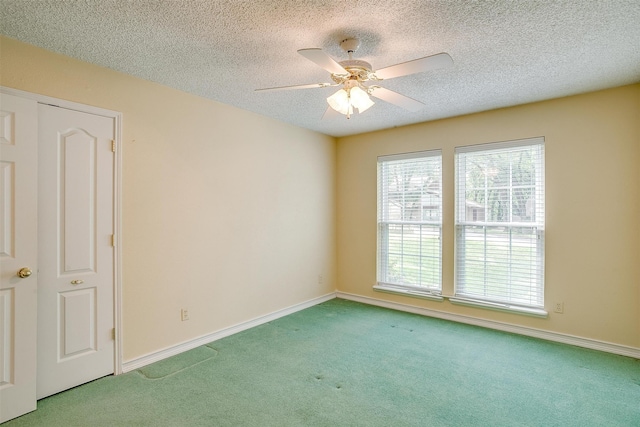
(24, 272)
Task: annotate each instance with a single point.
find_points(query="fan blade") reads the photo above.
(322, 59)
(440, 60)
(395, 98)
(309, 86)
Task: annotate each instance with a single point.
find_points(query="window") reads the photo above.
(410, 222)
(500, 223)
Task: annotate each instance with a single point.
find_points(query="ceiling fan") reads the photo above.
(358, 80)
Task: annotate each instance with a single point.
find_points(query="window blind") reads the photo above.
(410, 220)
(500, 222)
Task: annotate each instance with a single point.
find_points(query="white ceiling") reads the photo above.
(505, 52)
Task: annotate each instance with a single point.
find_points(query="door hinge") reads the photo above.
(113, 333)
(113, 145)
(113, 240)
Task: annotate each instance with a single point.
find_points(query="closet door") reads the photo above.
(18, 255)
(75, 248)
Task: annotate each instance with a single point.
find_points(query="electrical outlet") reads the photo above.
(559, 307)
(320, 279)
(184, 314)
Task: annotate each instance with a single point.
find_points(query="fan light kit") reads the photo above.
(352, 75)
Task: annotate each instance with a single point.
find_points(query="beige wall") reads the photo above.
(592, 208)
(225, 212)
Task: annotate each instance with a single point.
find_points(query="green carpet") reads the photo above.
(341, 363)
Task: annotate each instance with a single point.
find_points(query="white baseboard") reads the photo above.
(147, 359)
(506, 327)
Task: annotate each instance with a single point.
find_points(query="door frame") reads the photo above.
(117, 200)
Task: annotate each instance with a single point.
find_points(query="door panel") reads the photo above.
(78, 202)
(77, 314)
(76, 281)
(7, 227)
(18, 250)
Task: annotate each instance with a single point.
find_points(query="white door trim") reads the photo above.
(117, 203)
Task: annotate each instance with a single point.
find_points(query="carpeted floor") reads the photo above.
(342, 363)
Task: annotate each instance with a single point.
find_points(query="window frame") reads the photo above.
(537, 226)
(434, 290)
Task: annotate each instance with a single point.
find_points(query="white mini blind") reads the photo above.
(500, 222)
(410, 220)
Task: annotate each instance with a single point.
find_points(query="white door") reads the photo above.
(76, 254)
(18, 243)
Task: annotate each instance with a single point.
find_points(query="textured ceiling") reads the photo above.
(505, 52)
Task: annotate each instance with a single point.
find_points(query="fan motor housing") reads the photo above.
(358, 70)
(355, 63)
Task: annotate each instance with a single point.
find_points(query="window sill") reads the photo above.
(381, 287)
(535, 312)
